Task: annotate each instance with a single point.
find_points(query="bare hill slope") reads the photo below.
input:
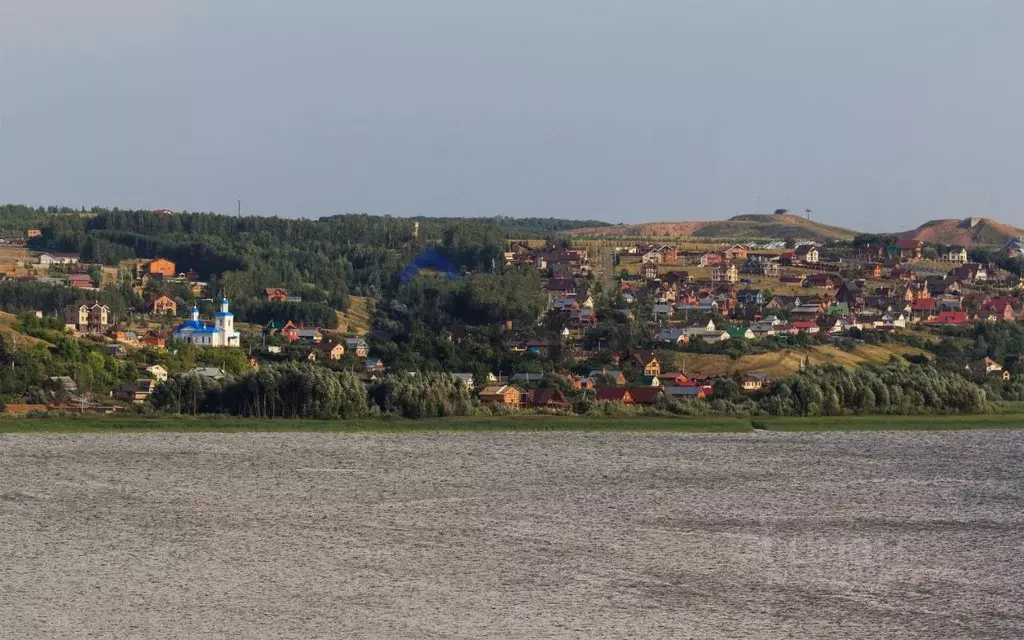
(752, 226)
(969, 232)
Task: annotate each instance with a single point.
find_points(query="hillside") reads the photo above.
(751, 226)
(969, 232)
(10, 332)
(781, 364)
(357, 319)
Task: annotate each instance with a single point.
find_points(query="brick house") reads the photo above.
(909, 249)
(286, 330)
(736, 252)
(710, 259)
(88, 316)
(80, 281)
(154, 340)
(276, 294)
(162, 304)
(162, 267)
(723, 273)
(649, 270)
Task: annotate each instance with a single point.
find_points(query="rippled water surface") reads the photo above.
(860, 535)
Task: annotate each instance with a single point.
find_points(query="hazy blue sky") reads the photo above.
(882, 113)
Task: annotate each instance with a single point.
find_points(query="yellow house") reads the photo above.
(504, 394)
(754, 381)
(646, 361)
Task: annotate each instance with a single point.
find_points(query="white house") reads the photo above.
(956, 255)
(158, 372)
(712, 336)
(762, 329)
(808, 253)
(652, 256)
(896, 322)
(725, 274)
(673, 335)
(221, 334)
(49, 259)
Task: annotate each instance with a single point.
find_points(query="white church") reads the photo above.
(221, 334)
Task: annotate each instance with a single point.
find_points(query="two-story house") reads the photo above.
(807, 253)
(162, 304)
(162, 267)
(88, 316)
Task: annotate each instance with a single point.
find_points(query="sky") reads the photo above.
(875, 114)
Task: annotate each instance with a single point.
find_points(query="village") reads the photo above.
(781, 295)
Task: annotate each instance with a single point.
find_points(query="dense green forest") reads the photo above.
(306, 391)
(531, 227)
(324, 260)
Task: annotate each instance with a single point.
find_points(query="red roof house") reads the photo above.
(955, 318)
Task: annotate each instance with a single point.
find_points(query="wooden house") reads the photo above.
(506, 395)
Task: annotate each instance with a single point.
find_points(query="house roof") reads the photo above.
(496, 390)
(327, 346)
(822, 277)
(561, 284)
(195, 326)
(89, 303)
(612, 393)
(643, 357)
(999, 304)
(209, 372)
(545, 396)
(645, 395)
(684, 390)
(953, 317)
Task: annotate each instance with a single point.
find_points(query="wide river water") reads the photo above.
(532, 535)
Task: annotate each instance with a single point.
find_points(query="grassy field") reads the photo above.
(524, 423)
(357, 319)
(782, 364)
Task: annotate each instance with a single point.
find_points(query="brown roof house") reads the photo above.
(330, 350)
(162, 304)
(506, 395)
(546, 398)
(91, 316)
(276, 294)
(647, 362)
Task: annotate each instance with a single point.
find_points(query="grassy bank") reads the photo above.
(898, 423)
(114, 424)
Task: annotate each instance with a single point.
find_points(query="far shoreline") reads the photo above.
(511, 424)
